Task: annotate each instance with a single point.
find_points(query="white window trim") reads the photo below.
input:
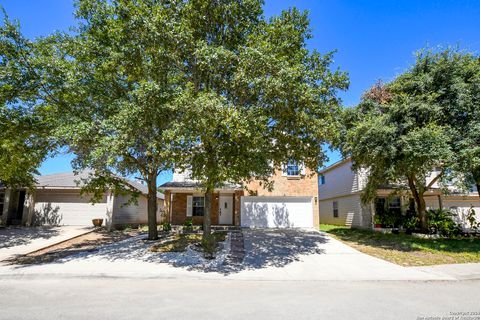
(335, 207)
(189, 206)
(301, 170)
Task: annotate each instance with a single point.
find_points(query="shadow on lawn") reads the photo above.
(262, 248)
(406, 243)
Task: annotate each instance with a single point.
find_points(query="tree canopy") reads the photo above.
(417, 124)
(25, 123)
(255, 96)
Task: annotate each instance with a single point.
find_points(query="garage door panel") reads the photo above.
(277, 212)
(70, 207)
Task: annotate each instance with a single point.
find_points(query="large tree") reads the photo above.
(423, 121)
(122, 75)
(255, 96)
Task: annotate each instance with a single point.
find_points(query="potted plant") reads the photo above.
(377, 220)
(97, 222)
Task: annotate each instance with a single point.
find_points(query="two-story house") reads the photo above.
(340, 189)
(293, 202)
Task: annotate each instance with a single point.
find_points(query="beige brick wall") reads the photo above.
(291, 186)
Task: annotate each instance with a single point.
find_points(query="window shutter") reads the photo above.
(302, 170)
(189, 206)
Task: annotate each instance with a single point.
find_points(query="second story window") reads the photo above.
(322, 179)
(293, 169)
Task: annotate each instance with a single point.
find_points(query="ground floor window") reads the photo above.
(198, 206)
(335, 209)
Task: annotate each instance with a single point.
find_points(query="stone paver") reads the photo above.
(237, 248)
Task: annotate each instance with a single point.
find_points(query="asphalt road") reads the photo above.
(117, 298)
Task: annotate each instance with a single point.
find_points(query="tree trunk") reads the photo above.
(477, 184)
(476, 178)
(420, 204)
(422, 212)
(207, 217)
(152, 207)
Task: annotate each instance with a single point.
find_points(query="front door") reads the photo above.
(225, 209)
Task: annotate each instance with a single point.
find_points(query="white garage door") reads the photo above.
(276, 212)
(70, 208)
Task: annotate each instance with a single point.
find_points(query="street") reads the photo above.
(121, 298)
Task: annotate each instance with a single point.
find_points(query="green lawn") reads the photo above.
(408, 250)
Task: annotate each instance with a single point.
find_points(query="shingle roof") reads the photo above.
(71, 180)
(196, 185)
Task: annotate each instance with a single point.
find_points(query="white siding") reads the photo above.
(350, 212)
(459, 205)
(339, 181)
(133, 214)
(72, 208)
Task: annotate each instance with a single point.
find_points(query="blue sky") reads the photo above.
(374, 39)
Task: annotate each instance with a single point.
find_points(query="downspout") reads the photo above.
(170, 207)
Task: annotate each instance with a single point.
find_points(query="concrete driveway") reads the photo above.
(20, 240)
(267, 255)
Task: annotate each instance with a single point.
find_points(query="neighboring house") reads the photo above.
(340, 189)
(56, 199)
(293, 202)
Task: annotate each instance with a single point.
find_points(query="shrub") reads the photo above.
(188, 224)
(472, 220)
(166, 226)
(388, 219)
(441, 221)
(411, 223)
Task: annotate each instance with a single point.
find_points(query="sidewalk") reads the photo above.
(464, 271)
(19, 241)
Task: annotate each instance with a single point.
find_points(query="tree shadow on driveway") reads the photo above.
(278, 247)
(17, 236)
(260, 249)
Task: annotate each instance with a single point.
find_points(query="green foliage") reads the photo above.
(188, 224)
(404, 129)
(472, 220)
(166, 226)
(213, 87)
(411, 223)
(25, 125)
(252, 90)
(441, 222)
